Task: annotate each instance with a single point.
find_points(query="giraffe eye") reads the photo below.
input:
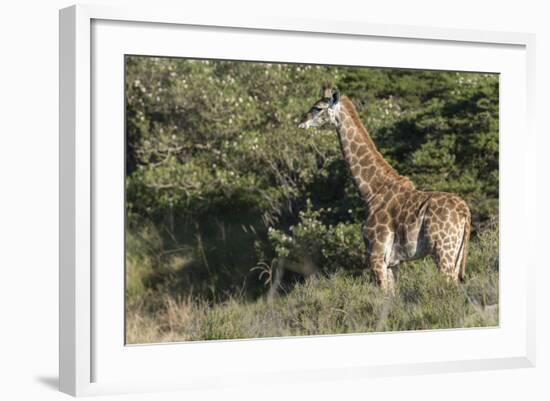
(316, 109)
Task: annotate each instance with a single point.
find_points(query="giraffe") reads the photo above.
(402, 223)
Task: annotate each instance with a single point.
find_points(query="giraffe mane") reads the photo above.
(388, 169)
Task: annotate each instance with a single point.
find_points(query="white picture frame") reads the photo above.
(93, 356)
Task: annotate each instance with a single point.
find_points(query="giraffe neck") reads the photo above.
(372, 174)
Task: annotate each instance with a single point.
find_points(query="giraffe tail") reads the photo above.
(463, 252)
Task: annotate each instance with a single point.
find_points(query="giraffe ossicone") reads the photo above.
(402, 222)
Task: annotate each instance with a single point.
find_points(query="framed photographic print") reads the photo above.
(270, 199)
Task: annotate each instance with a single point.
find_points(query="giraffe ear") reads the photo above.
(335, 97)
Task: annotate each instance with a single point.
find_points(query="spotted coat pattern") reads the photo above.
(402, 222)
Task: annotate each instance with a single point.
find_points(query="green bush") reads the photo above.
(333, 247)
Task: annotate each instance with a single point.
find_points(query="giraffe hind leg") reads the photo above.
(445, 260)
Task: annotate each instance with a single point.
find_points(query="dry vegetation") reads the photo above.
(335, 303)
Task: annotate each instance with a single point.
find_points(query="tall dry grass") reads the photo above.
(337, 303)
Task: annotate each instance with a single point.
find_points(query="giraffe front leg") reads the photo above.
(384, 278)
(393, 274)
(377, 241)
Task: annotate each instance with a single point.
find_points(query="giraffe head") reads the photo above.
(324, 111)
